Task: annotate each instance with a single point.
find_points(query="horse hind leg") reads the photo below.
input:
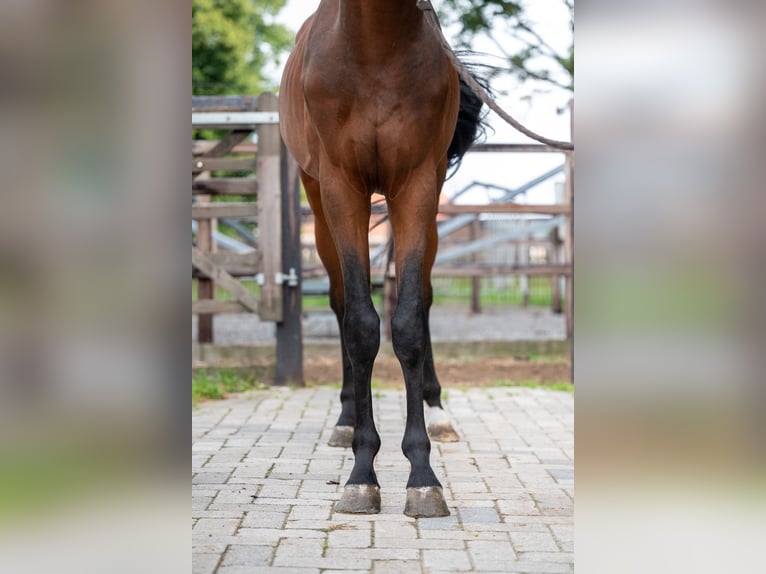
(439, 425)
(343, 431)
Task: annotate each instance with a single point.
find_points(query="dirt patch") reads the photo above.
(451, 372)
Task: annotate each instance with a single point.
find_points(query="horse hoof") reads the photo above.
(342, 436)
(359, 499)
(426, 502)
(443, 433)
(439, 426)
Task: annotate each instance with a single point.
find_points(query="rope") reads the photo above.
(478, 89)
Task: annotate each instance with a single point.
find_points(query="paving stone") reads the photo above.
(216, 526)
(508, 483)
(248, 555)
(349, 539)
(396, 566)
(491, 555)
(264, 519)
(478, 514)
(452, 560)
(533, 542)
(204, 563)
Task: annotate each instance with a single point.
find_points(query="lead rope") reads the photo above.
(478, 89)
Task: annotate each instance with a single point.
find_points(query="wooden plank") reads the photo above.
(510, 207)
(204, 263)
(230, 209)
(224, 103)
(200, 147)
(233, 120)
(236, 264)
(270, 214)
(226, 186)
(223, 164)
(515, 148)
(226, 144)
(489, 270)
(215, 307)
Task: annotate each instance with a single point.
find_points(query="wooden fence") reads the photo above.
(274, 255)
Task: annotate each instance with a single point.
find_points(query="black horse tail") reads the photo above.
(471, 125)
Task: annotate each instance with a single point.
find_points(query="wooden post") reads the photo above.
(569, 237)
(553, 258)
(474, 231)
(269, 213)
(523, 247)
(205, 286)
(289, 368)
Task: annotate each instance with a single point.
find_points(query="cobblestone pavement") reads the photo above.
(265, 481)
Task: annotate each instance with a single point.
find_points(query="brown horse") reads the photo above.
(369, 103)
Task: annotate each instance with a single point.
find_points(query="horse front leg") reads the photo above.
(409, 333)
(347, 213)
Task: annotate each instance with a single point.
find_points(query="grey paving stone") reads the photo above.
(479, 515)
(396, 566)
(490, 555)
(349, 539)
(451, 560)
(216, 526)
(203, 563)
(248, 555)
(533, 542)
(508, 483)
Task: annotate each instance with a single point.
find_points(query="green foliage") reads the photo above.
(551, 386)
(535, 59)
(218, 384)
(233, 41)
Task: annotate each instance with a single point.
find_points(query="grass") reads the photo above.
(218, 384)
(552, 386)
(452, 291)
(545, 358)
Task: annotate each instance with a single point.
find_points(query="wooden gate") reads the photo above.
(271, 256)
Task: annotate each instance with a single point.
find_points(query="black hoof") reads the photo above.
(426, 502)
(342, 436)
(359, 499)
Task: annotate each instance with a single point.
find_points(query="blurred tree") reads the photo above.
(233, 41)
(531, 56)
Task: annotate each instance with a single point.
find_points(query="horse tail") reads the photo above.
(471, 125)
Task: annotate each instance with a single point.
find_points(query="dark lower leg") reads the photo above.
(409, 334)
(361, 338)
(347, 417)
(431, 388)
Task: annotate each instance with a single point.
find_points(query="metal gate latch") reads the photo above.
(291, 278)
